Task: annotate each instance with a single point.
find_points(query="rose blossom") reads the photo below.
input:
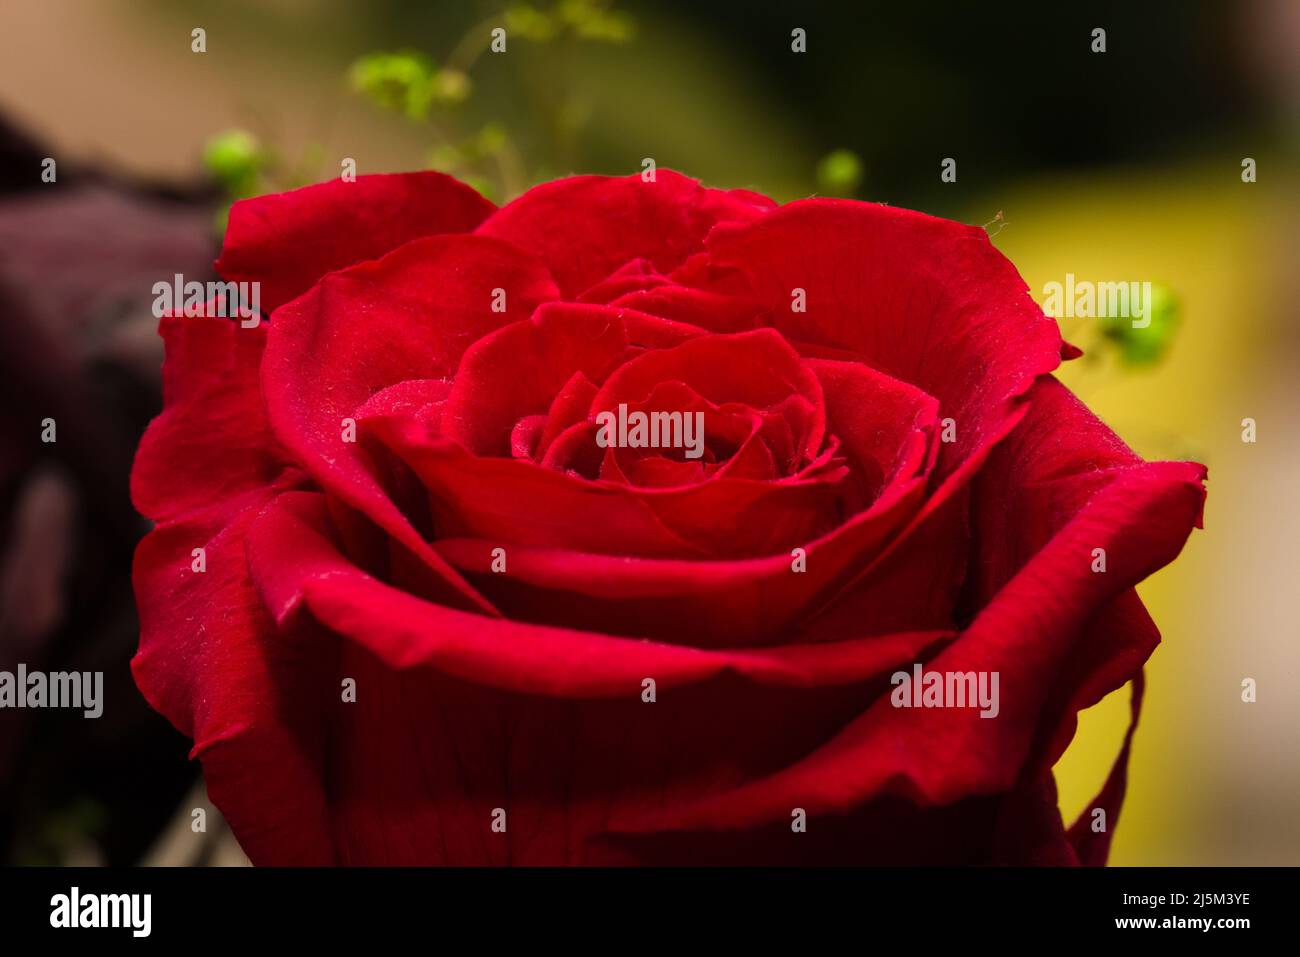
(438, 622)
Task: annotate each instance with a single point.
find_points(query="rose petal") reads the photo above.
(211, 443)
(519, 369)
(884, 426)
(703, 603)
(586, 227)
(294, 564)
(408, 316)
(936, 756)
(210, 660)
(288, 241)
(924, 300)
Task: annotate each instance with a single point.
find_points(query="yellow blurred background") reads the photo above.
(1213, 779)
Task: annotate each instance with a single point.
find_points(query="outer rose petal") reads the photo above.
(458, 714)
(295, 563)
(210, 660)
(1142, 517)
(288, 241)
(211, 443)
(586, 227)
(1093, 847)
(1029, 830)
(1047, 470)
(207, 657)
(411, 315)
(1034, 483)
(1015, 829)
(925, 300)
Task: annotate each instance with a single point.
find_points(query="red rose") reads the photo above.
(444, 618)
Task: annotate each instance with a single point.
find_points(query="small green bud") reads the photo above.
(235, 159)
(839, 173)
(1145, 346)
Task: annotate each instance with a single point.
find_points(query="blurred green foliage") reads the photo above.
(1146, 346)
(593, 21)
(406, 82)
(438, 94)
(425, 90)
